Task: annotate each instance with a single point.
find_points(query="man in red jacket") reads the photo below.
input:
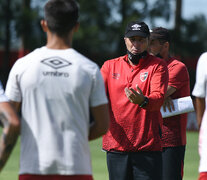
(174, 128)
(135, 85)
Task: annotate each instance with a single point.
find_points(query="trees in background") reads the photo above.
(5, 36)
(102, 25)
(27, 25)
(19, 29)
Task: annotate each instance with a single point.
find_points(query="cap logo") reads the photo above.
(136, 27)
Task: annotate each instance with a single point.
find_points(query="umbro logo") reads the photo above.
(136, 27)
(56, 62)
(115, 75)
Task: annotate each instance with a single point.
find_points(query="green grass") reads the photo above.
(10, 172)
(191, 162)
(98, 160)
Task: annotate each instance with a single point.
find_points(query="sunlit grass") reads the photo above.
(191, 157)
(10, 172)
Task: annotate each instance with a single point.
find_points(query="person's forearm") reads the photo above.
(101, 122)
(170, 91)
(96, 131)
(155, 102)
(9, 136)
(158, 88)
(7, 142)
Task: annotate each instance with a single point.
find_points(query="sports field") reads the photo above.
(10, 172)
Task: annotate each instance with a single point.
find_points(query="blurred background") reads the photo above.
(102, 25)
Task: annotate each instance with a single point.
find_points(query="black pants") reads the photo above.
(173, 162)
(134, 166)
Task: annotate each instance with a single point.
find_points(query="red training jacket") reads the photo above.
(132, 128)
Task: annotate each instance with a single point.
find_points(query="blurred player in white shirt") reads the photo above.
(200, 92)
(55, 87)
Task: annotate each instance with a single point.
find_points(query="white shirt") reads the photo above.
(3, 98)
(201, 77)
(56, 88)
(200, 90)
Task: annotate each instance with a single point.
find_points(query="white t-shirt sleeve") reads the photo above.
(3, 97)
(98, 94)
(201, 75)
(12, 87)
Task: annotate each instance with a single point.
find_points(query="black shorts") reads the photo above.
(173, 162)
(134, 166)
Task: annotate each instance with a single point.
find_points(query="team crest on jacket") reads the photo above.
(143, 76)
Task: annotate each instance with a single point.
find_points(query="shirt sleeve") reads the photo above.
(104, 72)
(158, 88)
(98, 95)
(200, 85)
(12, 87)
(178, 75)
(3, 97)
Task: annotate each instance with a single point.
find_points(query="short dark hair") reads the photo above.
(161, 34)
(61, 16)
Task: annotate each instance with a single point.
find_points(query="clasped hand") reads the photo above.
(168, 104)
(134, 96)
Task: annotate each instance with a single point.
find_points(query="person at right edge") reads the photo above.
(174, 128)
(135, 84)
(199, 91)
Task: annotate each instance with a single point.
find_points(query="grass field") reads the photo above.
(10, 172)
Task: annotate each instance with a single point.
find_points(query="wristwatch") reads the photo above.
(144, 103)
